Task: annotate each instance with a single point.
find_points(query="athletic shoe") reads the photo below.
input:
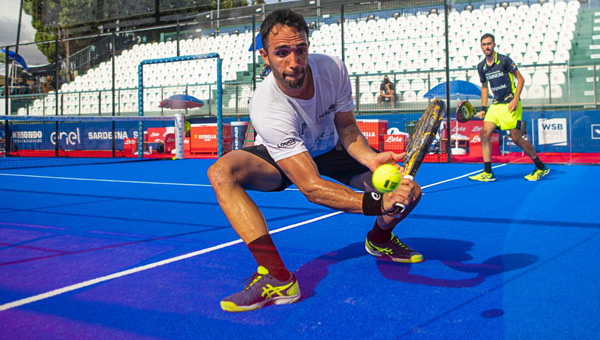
(394, 249)
(483, 177)
(537, 173)
(262, 288)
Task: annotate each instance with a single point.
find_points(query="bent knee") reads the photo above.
(485, 135)
(516, 138)
(219, 173)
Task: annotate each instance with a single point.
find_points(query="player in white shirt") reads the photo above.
(304, 119)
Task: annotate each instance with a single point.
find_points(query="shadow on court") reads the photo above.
(452, 253)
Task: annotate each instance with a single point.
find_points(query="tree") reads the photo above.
(233, 3)
(55, 19)
(51, 17)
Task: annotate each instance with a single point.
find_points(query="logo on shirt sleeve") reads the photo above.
(288, 143)
(328, 111)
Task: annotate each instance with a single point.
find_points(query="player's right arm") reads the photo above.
(303, 172)
(484, 99)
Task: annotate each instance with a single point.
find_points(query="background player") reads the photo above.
(505, 112)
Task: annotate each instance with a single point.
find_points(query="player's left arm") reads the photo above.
(357, 146)
(511, 67)
(514, 103)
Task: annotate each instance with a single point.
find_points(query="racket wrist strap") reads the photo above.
(372, 204)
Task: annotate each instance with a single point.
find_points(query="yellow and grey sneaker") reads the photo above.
(262, 289)
(537, 173)
(395, 249)
(483, 177)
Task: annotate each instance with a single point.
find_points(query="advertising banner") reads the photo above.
(71, 136)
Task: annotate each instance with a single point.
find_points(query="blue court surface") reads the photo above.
(142, 251)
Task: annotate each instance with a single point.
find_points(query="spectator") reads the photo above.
(387, 92)
(47, 85)
(23, 86)
(19, 87)
(35, 87)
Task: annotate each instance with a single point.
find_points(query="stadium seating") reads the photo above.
(531, 34)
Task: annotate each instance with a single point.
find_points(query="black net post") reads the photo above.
(177, 38)
(114, 47)
(342, 33)
(56, 75)
(253, 52)
(447, 42)
(357, 91)
(6, 99)
(6, 82)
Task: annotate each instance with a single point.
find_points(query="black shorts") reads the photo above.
(336, 164)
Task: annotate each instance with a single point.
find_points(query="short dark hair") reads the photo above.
(487, 35)
(284, 16)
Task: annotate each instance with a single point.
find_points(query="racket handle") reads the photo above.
(399, 207)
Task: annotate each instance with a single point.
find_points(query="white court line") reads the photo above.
(88, 283)
(105, 180)
(114, 181)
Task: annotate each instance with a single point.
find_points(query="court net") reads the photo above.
(41, 141)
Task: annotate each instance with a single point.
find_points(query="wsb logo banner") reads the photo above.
(552, 131)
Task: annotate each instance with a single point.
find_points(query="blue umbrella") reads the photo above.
(257, 42)
(19, 59)
(181, 101)
(459, 89)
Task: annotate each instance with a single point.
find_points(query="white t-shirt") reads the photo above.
(288, 126)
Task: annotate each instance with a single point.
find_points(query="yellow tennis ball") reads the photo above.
(386, 178)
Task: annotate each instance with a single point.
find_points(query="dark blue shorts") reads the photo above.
(336, 164)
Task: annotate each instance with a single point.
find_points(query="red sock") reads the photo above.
(379, 235)
(266, 255)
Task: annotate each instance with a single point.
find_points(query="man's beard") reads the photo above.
(290, 83)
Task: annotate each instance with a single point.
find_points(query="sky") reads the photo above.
(9, 19)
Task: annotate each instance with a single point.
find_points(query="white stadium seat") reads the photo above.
(557, 77)
(417, 85)
(409, 96)
(546, 57)
(535, 92)
(539, 78)
(554, 91)
(516, 57)
(402, 85)
(367, 98)
(531, 57)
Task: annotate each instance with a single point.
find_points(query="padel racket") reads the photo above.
(464, 111)
(418, 146)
